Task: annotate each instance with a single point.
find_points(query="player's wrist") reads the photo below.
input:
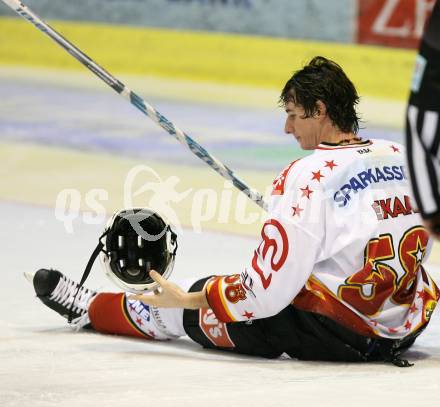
(196, 300)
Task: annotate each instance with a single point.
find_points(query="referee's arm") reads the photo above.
(423, 125)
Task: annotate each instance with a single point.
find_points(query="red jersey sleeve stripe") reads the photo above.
(216, 300)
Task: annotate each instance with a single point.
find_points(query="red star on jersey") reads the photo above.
(139, 321)
(408, 325)
(248, 315)
(421, 294)
(317, 175)
(330, 164)
(395, 149)
(306, 192)
(392, 330)
(296, 210)
(413, 309)
(151, 333)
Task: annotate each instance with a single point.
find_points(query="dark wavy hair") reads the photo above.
(324, 80)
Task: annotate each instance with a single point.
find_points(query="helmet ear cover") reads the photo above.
(135, 242)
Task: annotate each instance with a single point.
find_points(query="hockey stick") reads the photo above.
(137, 101)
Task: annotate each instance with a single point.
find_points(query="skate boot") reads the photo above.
(57, 291)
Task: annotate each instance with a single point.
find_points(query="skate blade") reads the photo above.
(29, 276)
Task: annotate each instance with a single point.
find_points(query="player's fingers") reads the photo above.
(157, 277)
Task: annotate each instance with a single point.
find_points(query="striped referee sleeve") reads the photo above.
(422, 120)
(422, 143)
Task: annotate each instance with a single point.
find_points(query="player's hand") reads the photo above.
(170, 295)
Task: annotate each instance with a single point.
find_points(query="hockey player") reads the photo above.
(423, 128)
(336, 276)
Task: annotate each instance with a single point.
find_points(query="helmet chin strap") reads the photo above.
(172, 241)
(87, 270)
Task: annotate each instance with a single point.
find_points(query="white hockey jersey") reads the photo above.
(342, 239)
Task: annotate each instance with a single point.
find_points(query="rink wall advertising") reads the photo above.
(279, 18)
(396, 23)
(198, 56)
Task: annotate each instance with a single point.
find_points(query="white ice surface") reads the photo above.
(44, 363)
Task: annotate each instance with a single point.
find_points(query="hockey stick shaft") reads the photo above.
(137, 101)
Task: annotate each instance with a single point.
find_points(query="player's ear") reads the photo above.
(321, 109)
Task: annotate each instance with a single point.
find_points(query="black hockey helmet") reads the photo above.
(134, 242)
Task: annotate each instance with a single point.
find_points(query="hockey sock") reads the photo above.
(108, 314)
(114, 313)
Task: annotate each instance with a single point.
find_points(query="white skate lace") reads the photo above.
(80, 322)
(64, 294)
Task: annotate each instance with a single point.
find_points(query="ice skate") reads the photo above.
(57, 291)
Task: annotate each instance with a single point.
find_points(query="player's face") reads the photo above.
(305, 130)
